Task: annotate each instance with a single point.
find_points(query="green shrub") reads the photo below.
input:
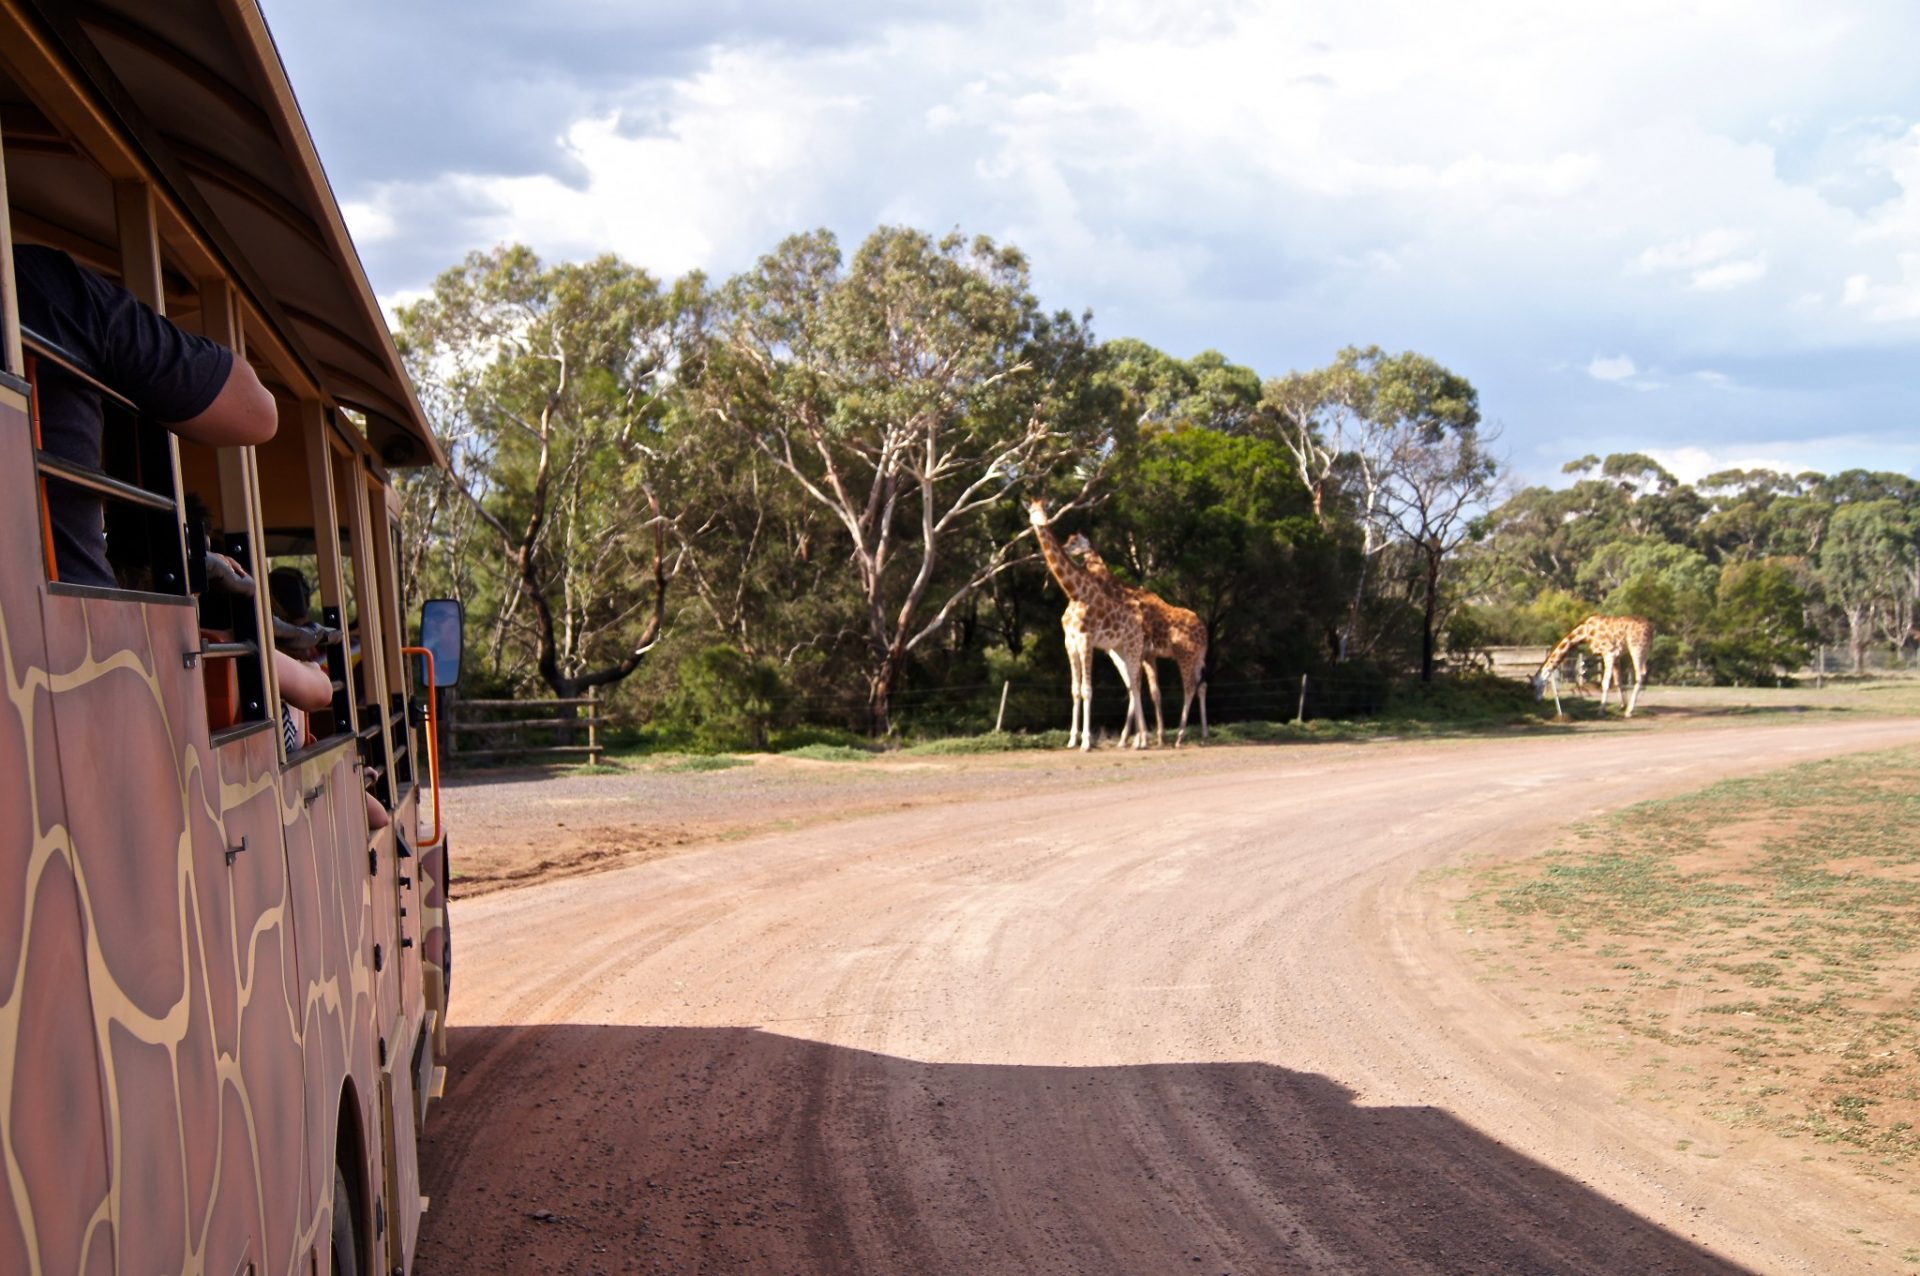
(800, 735)
(1467, 697)
(728, 701)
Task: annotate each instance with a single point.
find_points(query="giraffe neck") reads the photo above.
(1075, 580)
(1561, 648)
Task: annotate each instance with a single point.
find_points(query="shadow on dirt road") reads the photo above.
(614, 1149)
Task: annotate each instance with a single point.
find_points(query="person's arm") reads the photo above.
(241, 413)
(302, 685)
(195, 386)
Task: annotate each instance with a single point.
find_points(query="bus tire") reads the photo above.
(346, 1230)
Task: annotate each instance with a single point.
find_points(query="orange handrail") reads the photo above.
(46, 510)
(433, 738)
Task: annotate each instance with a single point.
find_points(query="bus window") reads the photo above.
(128, 494)
(303, 597)
(393, 591)
(366, 676)
(231, 663)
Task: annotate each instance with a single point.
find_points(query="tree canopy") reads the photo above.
(794, 496)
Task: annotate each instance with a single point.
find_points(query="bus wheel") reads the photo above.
(346, 1232)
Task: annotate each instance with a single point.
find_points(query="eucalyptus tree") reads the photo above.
(1362, 425)
(549, 388)
(905, 392)
(1160, 392)
(1215, 522)
(1441, 482)
(1758, 628)
(1865, 566)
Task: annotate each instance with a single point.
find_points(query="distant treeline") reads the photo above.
(1744, 572)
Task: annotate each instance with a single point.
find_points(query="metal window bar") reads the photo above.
(105, 484)
(157, 526)
(70, 364)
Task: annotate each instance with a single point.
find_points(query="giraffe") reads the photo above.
(1097, 615)
(1172, 633)
(1608, 636)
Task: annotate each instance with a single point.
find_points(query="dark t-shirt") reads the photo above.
(170, 375)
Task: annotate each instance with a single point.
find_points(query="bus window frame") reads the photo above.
(325, 448)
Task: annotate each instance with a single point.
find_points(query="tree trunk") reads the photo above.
(880, 687)
(1427, 661)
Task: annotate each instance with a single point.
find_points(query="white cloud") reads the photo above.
(369, 223)
(1730, 274)
(742, 151)
(1615, 368)
(1691, 464)
(1896, 301)
(1723, 186)
(1827, 455)
(1693, 252)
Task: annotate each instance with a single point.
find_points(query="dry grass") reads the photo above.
(1754, 947)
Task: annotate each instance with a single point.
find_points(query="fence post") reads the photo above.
(1000, 720)
(1300, 714)
(1820, 670)
(449, 738)
(593, 726)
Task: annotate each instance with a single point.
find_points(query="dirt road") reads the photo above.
(1213, 1019)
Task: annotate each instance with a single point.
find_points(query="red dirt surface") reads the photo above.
(1202, 1012)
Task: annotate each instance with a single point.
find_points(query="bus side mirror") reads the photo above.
(443, 632)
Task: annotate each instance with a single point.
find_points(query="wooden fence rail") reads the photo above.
(503, 735)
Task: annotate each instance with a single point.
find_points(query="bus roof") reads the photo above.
(199, 94)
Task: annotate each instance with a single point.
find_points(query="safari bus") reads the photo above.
(224, 954)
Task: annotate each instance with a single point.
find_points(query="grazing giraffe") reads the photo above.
(1098, 615)
(1608, 636)
(1172, 633)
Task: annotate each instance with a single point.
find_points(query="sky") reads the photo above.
(1686, 229)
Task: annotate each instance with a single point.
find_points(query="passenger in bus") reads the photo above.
(294, 629)
(190, 384)
(305, 686)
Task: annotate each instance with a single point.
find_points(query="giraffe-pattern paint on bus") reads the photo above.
(191, 1012)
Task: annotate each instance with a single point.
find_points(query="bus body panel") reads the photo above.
(214, 984)
(192, 993)
(56, 1212)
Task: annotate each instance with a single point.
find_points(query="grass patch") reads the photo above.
(1769, 928)
(991, 742)
(700, 762)
(830, 753)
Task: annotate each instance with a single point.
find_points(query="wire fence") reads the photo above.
(499, 732)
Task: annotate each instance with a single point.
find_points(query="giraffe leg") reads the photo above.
(1187, 688)
(1085, 695)
(1076, 664)
(1606, 681)
(1139, 707)
(1153, 686)
(1073, 697)
(1639, 680)
(1136, 715)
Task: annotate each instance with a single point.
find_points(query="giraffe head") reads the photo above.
(1078, 545)
(1037, 512)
